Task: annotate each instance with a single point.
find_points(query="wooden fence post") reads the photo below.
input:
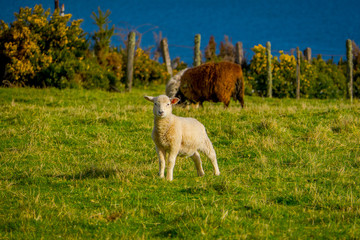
(297, 73)
(56, 4)
(239, 53)
(197, 53)
(307, 54)
(130, 60)
(349, 56)
(166, 55)
(268, 67)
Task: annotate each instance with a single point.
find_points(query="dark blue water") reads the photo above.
(322, 25)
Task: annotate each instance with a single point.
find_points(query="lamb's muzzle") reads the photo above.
(175, 136)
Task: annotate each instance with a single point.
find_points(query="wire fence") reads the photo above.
(187, 53)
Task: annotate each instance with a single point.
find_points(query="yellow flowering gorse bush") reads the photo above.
(318, 79)
(33, 42)
(148, 71)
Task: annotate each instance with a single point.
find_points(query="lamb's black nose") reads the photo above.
(161, 112)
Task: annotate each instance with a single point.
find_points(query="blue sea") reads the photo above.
(322, 25)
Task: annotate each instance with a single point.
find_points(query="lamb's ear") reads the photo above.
(174, 100)
(149, 98)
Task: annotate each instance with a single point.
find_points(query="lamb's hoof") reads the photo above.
(217, 173)
(201, 174)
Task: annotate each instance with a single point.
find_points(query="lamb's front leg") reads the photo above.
(161, 154)
(171, 164)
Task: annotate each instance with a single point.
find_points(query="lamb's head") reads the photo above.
(162, 105)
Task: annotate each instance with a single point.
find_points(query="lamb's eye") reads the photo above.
(155, 104)
(168, 104)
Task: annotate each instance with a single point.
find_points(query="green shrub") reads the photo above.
(328, 81)
(357, 83)
(319, 79)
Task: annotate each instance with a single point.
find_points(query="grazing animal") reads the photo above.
(173, 85)
(216, 82)
(175, 136)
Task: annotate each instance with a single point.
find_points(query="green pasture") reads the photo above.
(77, 164)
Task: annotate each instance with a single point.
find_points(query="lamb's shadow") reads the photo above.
(94, 173)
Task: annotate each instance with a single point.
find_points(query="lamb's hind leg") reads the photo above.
(210, 153)
(198, 165)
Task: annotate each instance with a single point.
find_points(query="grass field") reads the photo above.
(78, 164)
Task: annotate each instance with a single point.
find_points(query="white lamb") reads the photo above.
(175, 136)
